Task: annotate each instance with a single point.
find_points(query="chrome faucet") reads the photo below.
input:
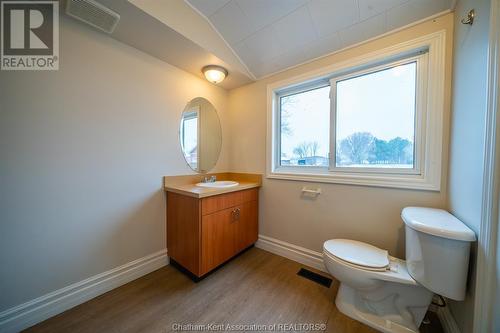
(212, 179)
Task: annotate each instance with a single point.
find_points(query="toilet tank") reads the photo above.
(437, 250)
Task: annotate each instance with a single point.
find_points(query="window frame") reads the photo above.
(426, 175)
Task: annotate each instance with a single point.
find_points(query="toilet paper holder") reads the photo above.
(316, 191)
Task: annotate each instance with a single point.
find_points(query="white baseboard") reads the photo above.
(447, 320)
(293, 252)
(27, 314)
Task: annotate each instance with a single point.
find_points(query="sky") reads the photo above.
(382, 103)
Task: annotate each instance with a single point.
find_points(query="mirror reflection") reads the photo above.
(200, 135)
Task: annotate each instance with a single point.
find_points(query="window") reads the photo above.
(366, 123)
(375, 118)
(189, 137)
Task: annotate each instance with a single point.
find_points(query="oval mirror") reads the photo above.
(200, 135)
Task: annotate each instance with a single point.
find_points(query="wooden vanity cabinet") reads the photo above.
(203, 233)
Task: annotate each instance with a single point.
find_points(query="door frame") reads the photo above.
(488, 234)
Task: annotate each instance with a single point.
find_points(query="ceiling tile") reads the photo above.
(232, 23)
(264, 44)
(369, 8)
(364, 30)
(290, 58)
(330, 16)
(323, 46)
(243, 51)
(263, 69)
(264, 12)
(208, 7)
(413, 11)
(296, 29)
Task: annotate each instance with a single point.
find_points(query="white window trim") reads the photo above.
(429, 177)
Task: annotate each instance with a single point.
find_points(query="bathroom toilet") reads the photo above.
(391, 294)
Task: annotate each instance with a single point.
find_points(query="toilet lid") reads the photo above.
(358, 253)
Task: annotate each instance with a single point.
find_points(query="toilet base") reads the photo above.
(350, 303)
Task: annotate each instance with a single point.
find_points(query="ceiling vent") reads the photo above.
(93, 13)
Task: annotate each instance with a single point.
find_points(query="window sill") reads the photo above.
(413, 182)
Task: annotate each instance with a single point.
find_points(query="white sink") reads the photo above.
(219, 184)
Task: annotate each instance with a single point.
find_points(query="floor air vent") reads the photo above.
(93, 13)
(320, 279)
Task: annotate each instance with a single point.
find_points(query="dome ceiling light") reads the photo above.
(214, 73)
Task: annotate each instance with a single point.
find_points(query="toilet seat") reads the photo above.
(358, 254)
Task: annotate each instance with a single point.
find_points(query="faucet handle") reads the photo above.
(213, 179)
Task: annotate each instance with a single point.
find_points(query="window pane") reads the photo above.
(305, 121)
(376, 119)
(189, 134)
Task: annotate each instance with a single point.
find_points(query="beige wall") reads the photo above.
(468, 133)
(368, 214)
(83, 152)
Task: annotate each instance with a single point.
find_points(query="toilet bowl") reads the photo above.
(386, 298)
(390, 294)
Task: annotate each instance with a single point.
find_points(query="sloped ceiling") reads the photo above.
(257, 38)
(153, 35)
(272, 35)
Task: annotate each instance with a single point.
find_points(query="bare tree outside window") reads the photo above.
(304, 124)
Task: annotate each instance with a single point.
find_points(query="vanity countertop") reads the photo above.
(186, 184)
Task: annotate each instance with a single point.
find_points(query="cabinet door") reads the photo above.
(246, 225)
(217, 238)
(183, 231)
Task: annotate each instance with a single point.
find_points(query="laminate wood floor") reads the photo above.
(255, 288)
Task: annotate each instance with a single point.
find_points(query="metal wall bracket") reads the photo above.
(470, 17)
